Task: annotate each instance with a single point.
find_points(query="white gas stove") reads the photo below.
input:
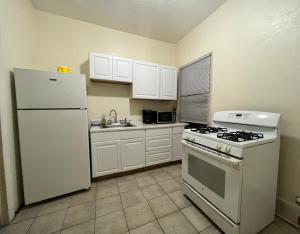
(230, 169)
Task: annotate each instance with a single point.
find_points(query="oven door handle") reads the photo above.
(229, 161)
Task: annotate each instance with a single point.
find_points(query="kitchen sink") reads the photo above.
(119, 125)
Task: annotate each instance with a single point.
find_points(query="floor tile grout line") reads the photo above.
(95, 213)
(143, 225)
(169, 213)
(204, 228)
(192, 223)
(146, 201)
(36, 217)
(180, 209)
(95, 199)
(152, 209)
(23, 220)
(96, 217)
(65, 216)
(30, 226)
(155, 218)
(154, 197)
(64, 228)
(123, 210)
(70, 207)
(163, 169)
(173, 201)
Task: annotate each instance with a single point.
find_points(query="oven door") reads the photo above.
(217, 177)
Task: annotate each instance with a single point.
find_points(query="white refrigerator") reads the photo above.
(53, 133)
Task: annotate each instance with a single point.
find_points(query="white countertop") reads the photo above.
(138, 126)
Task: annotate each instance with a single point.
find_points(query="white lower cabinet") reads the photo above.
(158, 146)
(177, 147)
(133, 154)
(106, 158)
(159, 156)
(114, 152)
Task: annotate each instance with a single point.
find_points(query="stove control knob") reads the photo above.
(192, 138)
(218, 146)
(227, 149)
(188, 138)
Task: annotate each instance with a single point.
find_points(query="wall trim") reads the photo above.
(288, 211)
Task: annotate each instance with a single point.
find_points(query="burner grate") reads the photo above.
(240, 136)
(207, 130)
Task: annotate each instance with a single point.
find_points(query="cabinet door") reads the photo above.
(168, 83)
(122, 69)
(177, 147)
(106, 158)
(133, 154)
(100, 66)
(145, 80)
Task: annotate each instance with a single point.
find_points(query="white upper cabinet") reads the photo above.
(110, 68)
(145, 83)
(122, 69)
(101, 66)
(168, 83)
(152, 81)
(149, 80)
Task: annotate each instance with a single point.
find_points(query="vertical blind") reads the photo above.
(194, 91)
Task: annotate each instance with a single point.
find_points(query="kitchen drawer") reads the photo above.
(158, 132)
(159, 156)
(178, 130)
(158, 142)
(120, 135)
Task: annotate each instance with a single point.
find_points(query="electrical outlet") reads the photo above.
(298, 200)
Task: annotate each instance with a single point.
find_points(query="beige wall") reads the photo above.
(64, 41)
(38, 40)
(256, 54)
(255, 47)
(17, 40)
(3, 198)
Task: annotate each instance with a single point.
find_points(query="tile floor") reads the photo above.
(145, 202)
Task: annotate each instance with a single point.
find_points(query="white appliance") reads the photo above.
(53, 133)
(230, 170)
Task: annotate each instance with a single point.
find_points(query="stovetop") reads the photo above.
(236, 136)
(232, 133)
(207, 130)
(240, 136)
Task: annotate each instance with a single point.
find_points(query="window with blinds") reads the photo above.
(194, 91)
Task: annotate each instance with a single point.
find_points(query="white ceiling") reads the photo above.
(165, 20)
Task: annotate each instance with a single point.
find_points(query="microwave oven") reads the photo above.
(158, 117)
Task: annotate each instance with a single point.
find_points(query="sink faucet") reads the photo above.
(115, 117)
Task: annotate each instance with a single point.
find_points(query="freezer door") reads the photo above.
(49, 90)
(54, 152)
